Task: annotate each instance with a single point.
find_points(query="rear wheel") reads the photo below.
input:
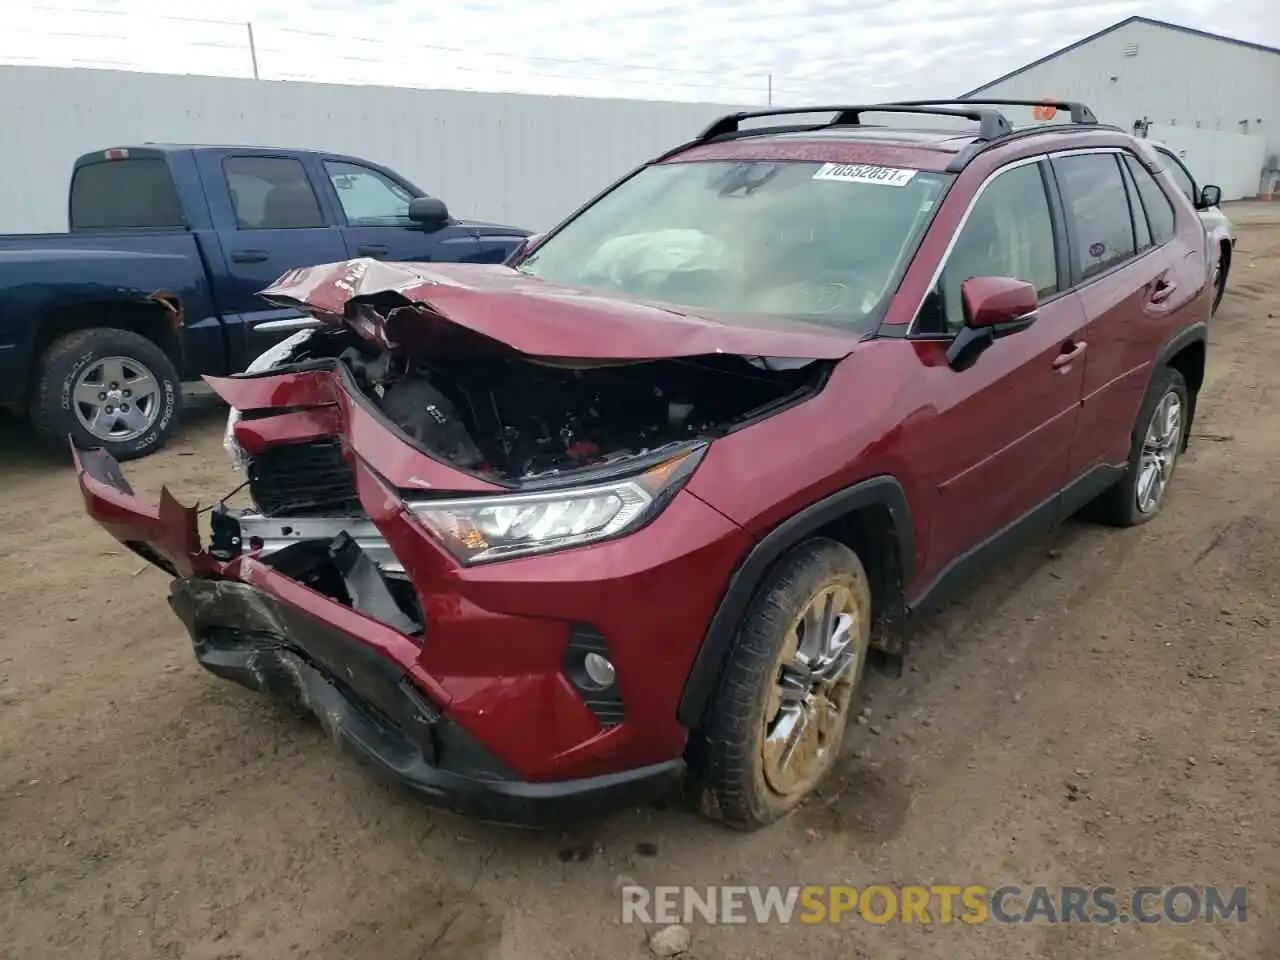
(778, 718)
(1158, 439)
(106, 388)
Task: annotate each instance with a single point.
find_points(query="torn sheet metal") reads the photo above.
(264, 361)
(539, 319)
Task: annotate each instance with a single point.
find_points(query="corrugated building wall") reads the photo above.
(1171, 76)
(508, 158)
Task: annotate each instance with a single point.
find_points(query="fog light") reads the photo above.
(599, 670)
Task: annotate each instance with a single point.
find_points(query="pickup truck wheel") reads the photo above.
(1158, 437)
(106, 388)
(778, 717)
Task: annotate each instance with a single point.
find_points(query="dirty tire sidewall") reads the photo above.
(725, 751)
(52, 414)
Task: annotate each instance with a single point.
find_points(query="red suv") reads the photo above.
(640, 503)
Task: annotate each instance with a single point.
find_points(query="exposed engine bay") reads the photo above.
(514, 418)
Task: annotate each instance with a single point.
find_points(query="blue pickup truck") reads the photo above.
(157, 282)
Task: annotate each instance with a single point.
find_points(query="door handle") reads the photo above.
(372, 250)
(248, 256)
(1162, 290)
(1071, 351)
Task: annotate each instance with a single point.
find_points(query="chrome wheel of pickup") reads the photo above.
(116, 399)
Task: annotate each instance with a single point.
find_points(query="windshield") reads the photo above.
(807, 240)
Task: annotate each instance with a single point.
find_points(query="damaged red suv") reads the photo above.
(546, 537)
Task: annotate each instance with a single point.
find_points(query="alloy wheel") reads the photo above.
(116, 399)
(809, 700)
(1159, 454)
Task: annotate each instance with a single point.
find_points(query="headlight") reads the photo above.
(481, 529)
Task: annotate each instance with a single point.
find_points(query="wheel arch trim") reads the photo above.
(881, 491)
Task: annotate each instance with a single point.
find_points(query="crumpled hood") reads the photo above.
(537, 318)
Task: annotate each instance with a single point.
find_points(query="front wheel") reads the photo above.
(106, 388)
(778, 717)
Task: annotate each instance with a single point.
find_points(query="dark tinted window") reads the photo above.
(1141, 230)
(1008, 233)
(124, 193)
(1094, 194)
(1179, 174)
(1154, 201)
(271, 193)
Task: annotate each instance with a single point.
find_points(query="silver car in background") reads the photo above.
(1222, 234)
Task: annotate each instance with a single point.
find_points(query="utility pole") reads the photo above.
(253, 49)
(770, 89)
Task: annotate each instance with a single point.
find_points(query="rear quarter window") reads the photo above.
(113, 194)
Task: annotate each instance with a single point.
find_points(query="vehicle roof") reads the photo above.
(140, 151)
(921, 148)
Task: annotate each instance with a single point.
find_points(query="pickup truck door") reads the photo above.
(270, 221)
(373, 208)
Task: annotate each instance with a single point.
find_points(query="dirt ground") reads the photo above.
(1102, 711)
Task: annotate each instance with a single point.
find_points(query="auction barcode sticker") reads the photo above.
(865, 173)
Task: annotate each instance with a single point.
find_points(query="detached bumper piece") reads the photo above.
(365, 702)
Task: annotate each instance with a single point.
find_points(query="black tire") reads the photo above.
(1118, 506)
(726, 753)
(53, 415)
(1220, 284)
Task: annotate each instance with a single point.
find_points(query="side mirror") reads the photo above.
(429, 211)
(1210, 196)
(994, 307)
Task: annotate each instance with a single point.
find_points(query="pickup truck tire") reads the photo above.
(779, 713)
(75, 363)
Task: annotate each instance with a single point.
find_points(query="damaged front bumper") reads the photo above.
(357, 669)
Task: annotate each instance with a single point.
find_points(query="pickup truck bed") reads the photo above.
(157, 281)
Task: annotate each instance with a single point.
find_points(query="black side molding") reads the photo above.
(884, 491)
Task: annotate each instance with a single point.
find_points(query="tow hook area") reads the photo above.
(334, 565)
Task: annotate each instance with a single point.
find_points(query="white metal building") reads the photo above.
(1197, 90)
(504, 157)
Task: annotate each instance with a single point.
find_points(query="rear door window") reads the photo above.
(272, 193)
(1180, 175)
(1141, 229)
(114, 194)
(1101, 229)
(1154, 200)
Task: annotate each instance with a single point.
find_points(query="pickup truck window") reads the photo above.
(272, 193)
(367, 197)
(113, 194)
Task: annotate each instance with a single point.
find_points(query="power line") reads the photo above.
(759, 81)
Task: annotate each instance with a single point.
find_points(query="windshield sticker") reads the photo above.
(865, 173)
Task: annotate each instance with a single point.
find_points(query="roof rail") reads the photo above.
(991, 123)
(1078, 111)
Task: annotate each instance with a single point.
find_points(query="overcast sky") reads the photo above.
(715, 50)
